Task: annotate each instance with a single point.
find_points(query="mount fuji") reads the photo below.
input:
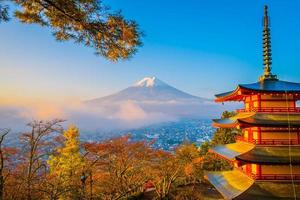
(149, 89)
(152, 95)
(147, 102)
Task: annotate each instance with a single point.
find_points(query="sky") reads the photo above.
(201, 47)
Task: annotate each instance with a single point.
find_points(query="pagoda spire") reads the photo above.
(267, 52)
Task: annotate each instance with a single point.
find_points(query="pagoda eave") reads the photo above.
(235, 95)
(273, 87)
(245, 124)
(238, 186)
(249, 153)
(265, 162)
(229, 125)
(231, 151)
(252, 119)
(230, 184)
(269, 155)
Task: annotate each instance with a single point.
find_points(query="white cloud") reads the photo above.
(124, 115)
(114, 116)
(129, 111)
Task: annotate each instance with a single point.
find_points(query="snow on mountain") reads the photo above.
(150, 82)
(146, 91)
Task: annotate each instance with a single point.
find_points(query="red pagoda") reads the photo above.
(266, 158)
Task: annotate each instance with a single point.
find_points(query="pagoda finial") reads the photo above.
(267, 53)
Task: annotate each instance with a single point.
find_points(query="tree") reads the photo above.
(37, 146)
(189, 157)
(221, 136)
(165, 170)
(85, 21)
(66, 166)
(8, 175)
(119, 168)
(3, 133)
(213, 162)
(225, 135)
(3, 12)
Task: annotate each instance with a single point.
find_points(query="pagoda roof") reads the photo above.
(272, 155)
(272, 85)
(264, 86)
(238, 186)
(248, 152)
(225, 94)
(249, 119)
(230, 184)
(231, 151)
(271, 190)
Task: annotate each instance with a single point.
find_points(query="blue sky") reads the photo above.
(199, 46)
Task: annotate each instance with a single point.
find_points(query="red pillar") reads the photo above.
(250, 135)
(259, 135)
(258, 171)
(259, 101)
(298, 136)
(294, 99)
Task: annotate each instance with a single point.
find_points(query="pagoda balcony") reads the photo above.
(277, 177)
(271, 109)
(269, 141)
(270, 177)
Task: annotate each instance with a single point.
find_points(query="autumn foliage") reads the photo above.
(88, 22)
(66, 166)
(53, 164)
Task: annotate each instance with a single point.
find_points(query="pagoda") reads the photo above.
(266, 158)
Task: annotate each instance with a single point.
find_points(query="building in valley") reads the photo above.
(266, 158)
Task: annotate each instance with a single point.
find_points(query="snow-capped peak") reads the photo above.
(149, 82)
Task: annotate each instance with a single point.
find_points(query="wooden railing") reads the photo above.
(271, 176)
(276, 176)
(270, 141)
(271, 109)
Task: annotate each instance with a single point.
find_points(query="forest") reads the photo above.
(51, 163)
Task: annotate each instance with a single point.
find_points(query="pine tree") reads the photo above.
(3, 12)
(67, 165)
(88, 22)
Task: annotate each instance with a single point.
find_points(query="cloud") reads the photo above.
(12, 117)
(124, 115)
(129, 111)
(108, 117)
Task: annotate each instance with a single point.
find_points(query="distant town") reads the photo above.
(166, 136)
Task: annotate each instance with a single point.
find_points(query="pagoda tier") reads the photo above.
(262, 162)
(265, 128)
(269, 88)
(267, 136)
(246, 152)
(257, 119)
(238, 186)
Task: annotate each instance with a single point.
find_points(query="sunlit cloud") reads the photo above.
(121, 116)
(16, 112)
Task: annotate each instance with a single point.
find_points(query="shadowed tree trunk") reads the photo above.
(3, 133)
(36, 149)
